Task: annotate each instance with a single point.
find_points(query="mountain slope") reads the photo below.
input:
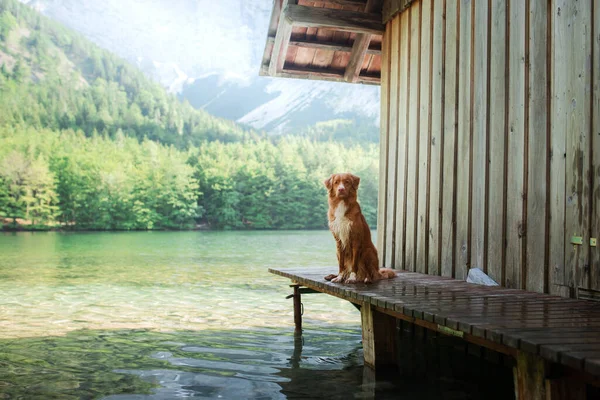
(284, 105)
(210, 52)
(54, 78)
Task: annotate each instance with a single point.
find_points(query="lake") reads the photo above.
(163, 315)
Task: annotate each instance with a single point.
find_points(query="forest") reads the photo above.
(67, 179)
(87, 142)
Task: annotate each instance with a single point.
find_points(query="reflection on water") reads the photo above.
(168, 315)
(157, 365)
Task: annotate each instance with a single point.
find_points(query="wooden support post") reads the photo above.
(282, 40)
(369, 383)
(297, 309)
(529, 376)
(532, 381)
(379, 338)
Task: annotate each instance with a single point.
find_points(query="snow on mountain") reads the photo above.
(173, 77)
(203, 48)
(297, 96)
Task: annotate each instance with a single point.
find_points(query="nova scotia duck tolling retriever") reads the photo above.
(357, 256)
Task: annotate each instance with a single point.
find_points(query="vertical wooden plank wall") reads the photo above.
(491, 141)
(463, 137)
(412, 149)
(515, 157)
(383, 214)
(570, 135)
(421, 264)
(559, 41)
(577, 16)
(392, 144)
(479, 130)
(400, 166)
(447, 224)
(497, 128)
(537, 127)
(595, 165)
(436, 129)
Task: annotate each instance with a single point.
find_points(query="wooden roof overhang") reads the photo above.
(334, 40)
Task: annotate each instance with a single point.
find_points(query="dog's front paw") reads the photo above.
(337, 279)
(352, 278)
(330, 277)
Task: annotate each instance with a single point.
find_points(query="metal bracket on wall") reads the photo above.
(578, 240)
(592, 242)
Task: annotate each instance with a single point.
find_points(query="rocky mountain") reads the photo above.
(209, 53)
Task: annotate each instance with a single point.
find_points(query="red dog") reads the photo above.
(357, 256)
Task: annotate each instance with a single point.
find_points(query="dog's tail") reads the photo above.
(386, 273)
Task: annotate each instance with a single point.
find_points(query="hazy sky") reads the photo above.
(200, 36)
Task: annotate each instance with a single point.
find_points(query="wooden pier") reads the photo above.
(555, 341)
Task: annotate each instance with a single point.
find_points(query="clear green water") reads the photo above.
(164, 315)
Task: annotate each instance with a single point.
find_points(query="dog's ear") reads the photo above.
(328, 182)
(355, 181)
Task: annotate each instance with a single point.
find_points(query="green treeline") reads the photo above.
(265, 185)
(64, 179)
(88, 142)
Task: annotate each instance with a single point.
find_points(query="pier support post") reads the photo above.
(533, 381)
(379, 338)
(530, 377)
(297, 309)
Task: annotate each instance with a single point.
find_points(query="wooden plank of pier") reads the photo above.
(511, 321)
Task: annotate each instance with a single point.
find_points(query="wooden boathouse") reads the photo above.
(490, 159)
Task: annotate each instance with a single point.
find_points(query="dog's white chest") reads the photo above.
(341, 225)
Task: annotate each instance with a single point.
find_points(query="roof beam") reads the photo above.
(341, 20)
(282, 40)
(317, 74)
(360, 3)
(331, 46)
(275, 13)
(359, 49)
(320, 74)
(357, 56)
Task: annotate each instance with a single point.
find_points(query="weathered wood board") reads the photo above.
(449, 141)
(436, 132)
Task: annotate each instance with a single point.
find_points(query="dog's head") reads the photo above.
(342, 185)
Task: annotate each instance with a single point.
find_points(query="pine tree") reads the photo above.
(20, 71)
(40, 193)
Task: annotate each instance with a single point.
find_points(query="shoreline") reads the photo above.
(5, 229)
